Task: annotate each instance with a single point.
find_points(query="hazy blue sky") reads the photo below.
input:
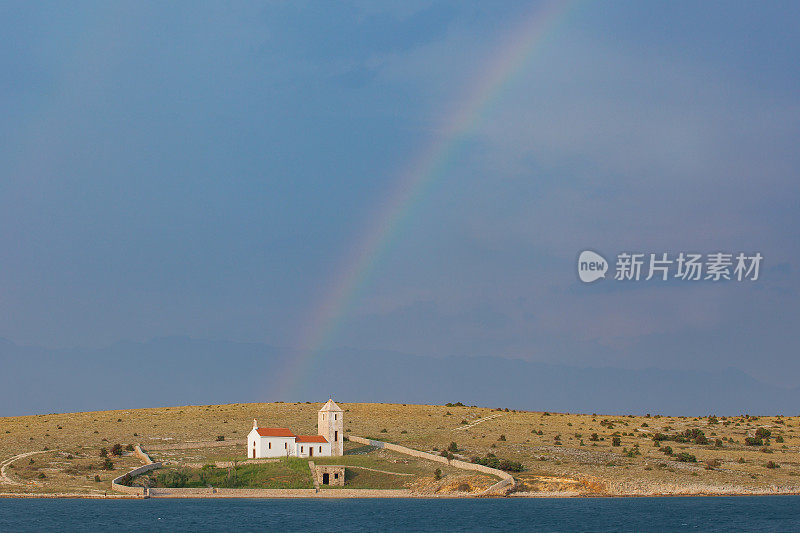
(205, 169)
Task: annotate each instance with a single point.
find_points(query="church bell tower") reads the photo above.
(330, 421)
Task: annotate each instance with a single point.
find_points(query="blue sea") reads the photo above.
(763, 513)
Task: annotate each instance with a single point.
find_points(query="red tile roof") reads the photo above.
(275, 432)
(311, 438)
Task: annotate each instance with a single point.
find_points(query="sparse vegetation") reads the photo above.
(530, 439)
(493, 461)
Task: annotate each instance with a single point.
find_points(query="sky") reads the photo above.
(214, 171)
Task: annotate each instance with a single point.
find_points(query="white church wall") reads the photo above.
(277, 446)
(321, 449)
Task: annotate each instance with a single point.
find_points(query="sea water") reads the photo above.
(756, 513)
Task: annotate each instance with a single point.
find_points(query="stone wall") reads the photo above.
(119, 487)
(279, 493)
(228, 464)
(142, 455)
(506, 480)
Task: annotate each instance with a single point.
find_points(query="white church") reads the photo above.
(281, 442)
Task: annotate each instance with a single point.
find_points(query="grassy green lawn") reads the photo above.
(366, 468)
(361, 463)
(288, 473)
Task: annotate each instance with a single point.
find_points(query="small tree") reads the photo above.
(453, 447)
(437, 474)
(103, 452)
(616, 441)
(763, 433)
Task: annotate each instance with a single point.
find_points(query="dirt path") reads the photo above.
(484, 419)
(4, 477)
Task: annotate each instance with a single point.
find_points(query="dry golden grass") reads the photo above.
(592, 467)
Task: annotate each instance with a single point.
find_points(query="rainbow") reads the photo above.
(522, 43)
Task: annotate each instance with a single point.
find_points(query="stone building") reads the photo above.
(330, 475)
(330, 421)
(281, 442)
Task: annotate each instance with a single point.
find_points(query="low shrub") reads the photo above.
(763, 433)
(172, 478)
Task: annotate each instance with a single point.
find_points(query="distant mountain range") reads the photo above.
(183, 371)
